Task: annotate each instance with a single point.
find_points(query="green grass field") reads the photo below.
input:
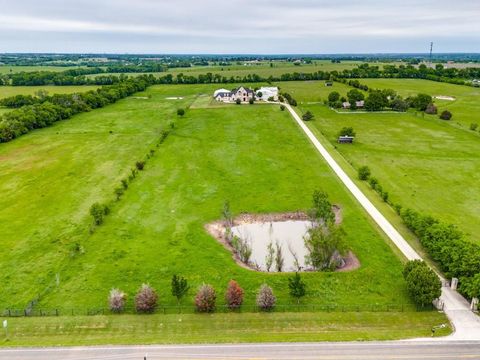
(253, 156)
(6, 91)
(157, 228)
(220, 328)
(7, 69)
(423, 162)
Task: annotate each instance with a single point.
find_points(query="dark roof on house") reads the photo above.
(248, 90)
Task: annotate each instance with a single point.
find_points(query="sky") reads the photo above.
(239, 26)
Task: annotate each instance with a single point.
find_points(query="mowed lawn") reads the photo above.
(6, 91)
(423, 162)
(253, 156)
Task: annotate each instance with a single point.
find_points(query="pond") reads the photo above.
(288, 234)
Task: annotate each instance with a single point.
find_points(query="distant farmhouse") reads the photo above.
(360, 104)
(244, 94)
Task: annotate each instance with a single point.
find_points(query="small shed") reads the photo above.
(328, 83)
(345, 139)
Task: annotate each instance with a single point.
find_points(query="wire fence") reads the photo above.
(30, 312)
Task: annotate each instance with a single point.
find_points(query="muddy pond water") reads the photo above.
(288, 234)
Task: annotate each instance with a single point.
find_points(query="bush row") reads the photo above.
(146, 298)
(46, 110)
(99, 211)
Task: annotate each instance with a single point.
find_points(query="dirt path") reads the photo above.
(465, 322)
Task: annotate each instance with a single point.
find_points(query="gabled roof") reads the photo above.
(248, 90)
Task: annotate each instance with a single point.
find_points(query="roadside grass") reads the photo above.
(423, 162)
(6, 91)
(220, 328)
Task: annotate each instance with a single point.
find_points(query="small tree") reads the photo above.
(279, 261)
(98, 212)
(117, 300)
(364, 173)
(266, 300)
(323, 243)
(180, 112)
(282, 107)
(333, 97)
(259, 94)
(270, 256)
(473, 126)
(298, 288)
(321, 211)
(446, 115)
(234, 295)
(307, 116)
(146, 299)
(205, 298)
(423, 284)
(347, 131)
(119, 192)
(238, 101)
(140, 165)
(251, 101)
(179, 287)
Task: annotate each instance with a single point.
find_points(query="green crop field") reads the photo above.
(423, 162)
(6, 91)
(253, 156)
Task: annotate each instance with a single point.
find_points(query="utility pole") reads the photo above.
(431, 49)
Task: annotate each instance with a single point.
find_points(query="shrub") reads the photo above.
(446, 115)
(431, 109)
(146, 299)
(282, 107)
(251, 101)
(347, 131)
(266, 300)
(205, 298)
(125, 184)
(117, 300)
(271, 98)
(140, 165)
(238, 101)
(364, 173)
(98, 212)
(298, 288)
(423, 284)
(473, 126)
(234, 295)
(180, 112)
(373, 182)
(119, 192)
(307, 116)
(281, 98)
(333, 97)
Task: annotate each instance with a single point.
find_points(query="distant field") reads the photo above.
(156, 230)
(6, 91)
(5, 69)
(263, 69)
(425, 163)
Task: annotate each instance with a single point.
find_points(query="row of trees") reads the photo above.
(79, 76)
(48, 109)
(146, 298)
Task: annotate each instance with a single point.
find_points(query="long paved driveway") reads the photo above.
(465, 322)
(321, 351)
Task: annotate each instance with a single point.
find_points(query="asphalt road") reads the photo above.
(420, 350)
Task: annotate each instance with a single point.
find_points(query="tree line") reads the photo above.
(46, 110)
(78, 76)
